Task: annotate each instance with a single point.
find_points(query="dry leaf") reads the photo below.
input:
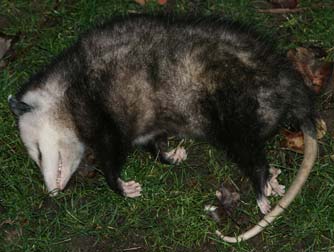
(293, 141)
(12, 235)
(4, 47)
(290, 4)
(162, 2)
(8, 221)
(315, 71)
(321, 128)
(141, 2)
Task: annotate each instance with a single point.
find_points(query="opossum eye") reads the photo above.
(18, 107)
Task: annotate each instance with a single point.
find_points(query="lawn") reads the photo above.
(169, 216)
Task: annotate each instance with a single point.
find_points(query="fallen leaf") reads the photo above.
(162, 2)
(12, 235)
(321, 128)
(328, 114)
(281, 10)
(315, 71)
(141, 2)
(290, 4)
(293, 141)
(8, 221)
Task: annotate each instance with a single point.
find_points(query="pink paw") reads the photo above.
(264, 205)
(130, 189)
(176, 155)
(276, 188)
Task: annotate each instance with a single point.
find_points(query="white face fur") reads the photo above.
(54, 147)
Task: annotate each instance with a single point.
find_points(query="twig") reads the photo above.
(132, 249)
(282, 10)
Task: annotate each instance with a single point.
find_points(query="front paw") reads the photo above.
(130, 189)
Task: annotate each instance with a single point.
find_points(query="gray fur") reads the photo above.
(138, 80)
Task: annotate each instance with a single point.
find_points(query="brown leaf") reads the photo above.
(321, 128)
(290, 4)
(12, 234)
(281, 10)
(141, 2)
(162, 2)
(293, 141)
(310, 63)
(8, 221)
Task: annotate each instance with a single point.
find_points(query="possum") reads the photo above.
(137, 80)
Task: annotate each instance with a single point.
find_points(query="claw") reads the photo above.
(277, 189)
(176, 155)
(264, 205)
(130, 189)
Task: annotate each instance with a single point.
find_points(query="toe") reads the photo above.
(264, 205)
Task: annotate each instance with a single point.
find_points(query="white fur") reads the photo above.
(41, 128)
(143, 139)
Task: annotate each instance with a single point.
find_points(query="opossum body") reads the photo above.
(139, 80)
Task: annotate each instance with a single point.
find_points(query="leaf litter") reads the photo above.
(5, 45)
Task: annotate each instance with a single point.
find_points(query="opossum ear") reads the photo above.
(18, 107)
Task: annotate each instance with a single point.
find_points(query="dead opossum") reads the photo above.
(141, 79)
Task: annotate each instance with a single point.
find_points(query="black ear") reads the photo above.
(18, 107)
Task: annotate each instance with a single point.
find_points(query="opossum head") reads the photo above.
(50, 140)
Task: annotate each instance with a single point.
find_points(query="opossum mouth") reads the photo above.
(60, 167)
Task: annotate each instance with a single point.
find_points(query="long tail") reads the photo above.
(310, 154)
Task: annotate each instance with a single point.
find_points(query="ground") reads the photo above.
(170, 214)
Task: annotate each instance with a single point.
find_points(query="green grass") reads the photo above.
(169, 216)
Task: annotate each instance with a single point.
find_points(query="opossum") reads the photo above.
(141, 79)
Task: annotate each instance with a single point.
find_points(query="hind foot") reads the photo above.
(130, 189)
(273, 188)
(264, 205)
(176, 155)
